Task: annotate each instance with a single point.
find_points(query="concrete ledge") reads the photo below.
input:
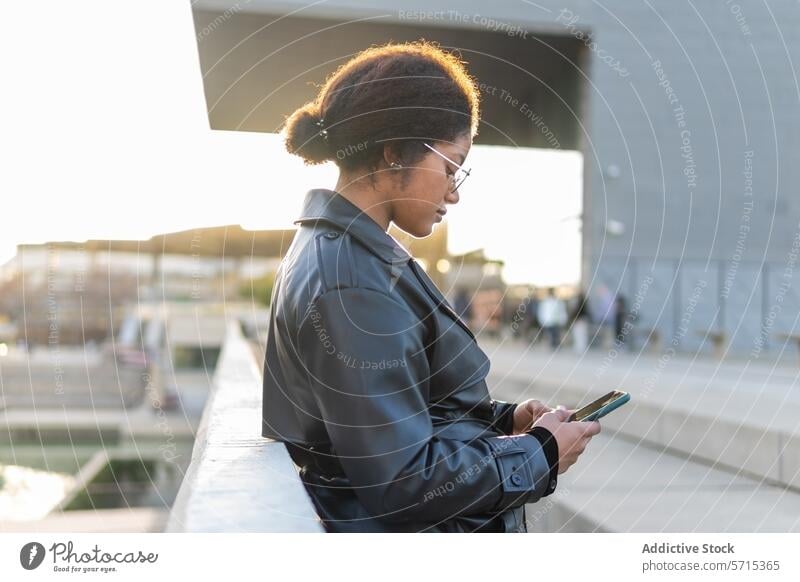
(239, 481)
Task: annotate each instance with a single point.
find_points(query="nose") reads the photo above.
(452, 197)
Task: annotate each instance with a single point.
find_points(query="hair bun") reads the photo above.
(303, 138)
(381, 98)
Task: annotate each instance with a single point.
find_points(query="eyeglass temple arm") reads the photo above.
(457, 165)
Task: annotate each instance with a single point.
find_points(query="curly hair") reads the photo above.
(398, 94)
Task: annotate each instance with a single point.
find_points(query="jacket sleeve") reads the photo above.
(367, 367)
(503, 413)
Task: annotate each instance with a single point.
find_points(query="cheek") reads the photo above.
(416, 212)
(424, 193)
(429, 178)
(431, 191)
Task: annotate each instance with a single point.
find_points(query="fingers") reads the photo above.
(537, 408)
(592, 428)
(569, 411)
(575, 439)
(562, 413)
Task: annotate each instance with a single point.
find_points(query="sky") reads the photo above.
(115, 143)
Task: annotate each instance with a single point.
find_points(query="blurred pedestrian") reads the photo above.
(604, 315)
(552, 315)
(530, 320)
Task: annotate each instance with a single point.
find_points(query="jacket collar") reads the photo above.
(329, 206)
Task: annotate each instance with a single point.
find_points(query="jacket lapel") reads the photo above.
(437, 296)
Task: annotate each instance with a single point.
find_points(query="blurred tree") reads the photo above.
(258, 289)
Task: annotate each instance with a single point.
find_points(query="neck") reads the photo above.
(360, 193)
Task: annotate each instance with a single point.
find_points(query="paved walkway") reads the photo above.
(703, 445)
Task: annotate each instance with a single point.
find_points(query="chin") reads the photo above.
(422, 232)
(418, 230)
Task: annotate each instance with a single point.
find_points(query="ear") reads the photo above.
(390, 155)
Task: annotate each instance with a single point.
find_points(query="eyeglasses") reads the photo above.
(459, 175)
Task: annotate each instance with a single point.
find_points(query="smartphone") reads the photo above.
(600, 407)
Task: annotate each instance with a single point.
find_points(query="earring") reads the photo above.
(395, 165)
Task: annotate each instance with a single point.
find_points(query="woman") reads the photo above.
(374, 383)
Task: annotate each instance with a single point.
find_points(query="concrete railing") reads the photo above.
(237, 480)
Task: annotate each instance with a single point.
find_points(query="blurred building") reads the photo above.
(76, 292)
(686, 115)
(478, 280)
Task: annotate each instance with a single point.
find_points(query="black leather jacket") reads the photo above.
(378, 389)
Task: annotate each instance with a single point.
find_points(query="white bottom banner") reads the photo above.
(397, 556)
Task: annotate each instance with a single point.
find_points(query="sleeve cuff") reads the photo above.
(550, 446)
(523, 468)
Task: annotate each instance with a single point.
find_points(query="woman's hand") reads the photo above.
(526, 413)
(571, 437)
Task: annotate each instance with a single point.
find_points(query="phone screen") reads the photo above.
(593, 407)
